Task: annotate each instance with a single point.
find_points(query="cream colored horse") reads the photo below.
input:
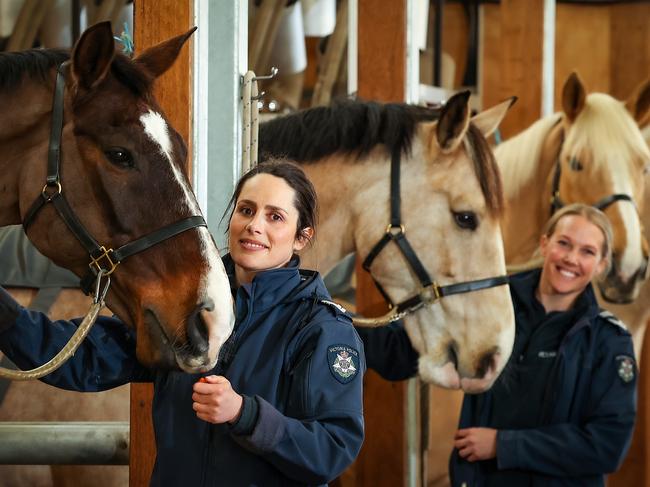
(615, 164)
(599, 151)
(449, 194)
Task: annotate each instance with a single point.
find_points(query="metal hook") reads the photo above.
(101, 294)
(274, 71)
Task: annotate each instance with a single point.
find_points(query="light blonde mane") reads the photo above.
(606, 127)
(519, 156)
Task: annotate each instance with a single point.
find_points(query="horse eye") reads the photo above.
(575, 165)
(119, 156)
(466, 219)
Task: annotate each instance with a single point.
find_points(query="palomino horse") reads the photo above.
(593, 152)
(113, 172)
(451, 205)
(602, 154)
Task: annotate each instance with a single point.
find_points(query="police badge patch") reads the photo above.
(343, 362)
(625, 368)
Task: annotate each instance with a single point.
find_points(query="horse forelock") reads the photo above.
(132, 75)
(486, 170)
(347, 126)
(608, 132)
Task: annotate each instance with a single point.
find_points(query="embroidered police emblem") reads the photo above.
(343, 362)
(625, 368)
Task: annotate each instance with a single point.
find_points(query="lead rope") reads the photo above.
(75, 340)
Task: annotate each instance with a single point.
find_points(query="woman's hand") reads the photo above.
(215, 401)
(476, 443)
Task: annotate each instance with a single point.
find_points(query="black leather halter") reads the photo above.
(430, 291)
(103, 259)
(601, 204)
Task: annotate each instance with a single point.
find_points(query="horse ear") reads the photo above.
(638, 104)
(159, 58)
(92, 55)
(453, 122)
(488, 120)
(573, 96)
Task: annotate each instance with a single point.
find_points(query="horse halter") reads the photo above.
(103, 260)
(430, 291)
(601, 204)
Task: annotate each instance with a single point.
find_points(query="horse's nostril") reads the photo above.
(486, 363)
(197, 330)
(452, 351)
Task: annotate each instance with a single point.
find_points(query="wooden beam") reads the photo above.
(156, 21)
(381, 76)
(512, 42)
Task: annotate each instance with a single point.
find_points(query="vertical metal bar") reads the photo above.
(437, 41)
(353, 50)
(411, 420)
(548, 59)
(217, 131)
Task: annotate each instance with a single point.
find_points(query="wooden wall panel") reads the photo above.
(585, 49)
(156, 21)
(381, 76)
(382, 50)
(629, 47)
(512, 60)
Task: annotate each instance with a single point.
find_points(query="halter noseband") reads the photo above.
(103, 259)
(430, 291)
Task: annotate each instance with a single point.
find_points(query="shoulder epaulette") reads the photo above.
(333, 304)
(609, 317)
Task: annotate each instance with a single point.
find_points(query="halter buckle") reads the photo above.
(48, 196)
(96, 261)
(430, 294)
(395, 231)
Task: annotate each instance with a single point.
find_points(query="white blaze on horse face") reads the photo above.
(156, 128)
(632, 256)
(214, 284)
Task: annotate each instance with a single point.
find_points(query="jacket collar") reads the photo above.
(523, 286)
(268, 288)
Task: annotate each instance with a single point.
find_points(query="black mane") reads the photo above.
(37, 64)
(344, 127)
(355, 127)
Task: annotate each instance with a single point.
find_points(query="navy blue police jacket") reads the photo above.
(297, 357)
(587, 423)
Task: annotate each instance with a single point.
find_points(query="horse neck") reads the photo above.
(24, 130)
(338, 181)
(525, 215)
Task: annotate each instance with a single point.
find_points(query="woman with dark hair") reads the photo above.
(283, 406)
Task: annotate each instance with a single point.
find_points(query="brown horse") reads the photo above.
(120, 172)
(451, 201)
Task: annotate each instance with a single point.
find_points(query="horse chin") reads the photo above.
(614, 290)
(447, 377)
(195, 365)
(157, 350)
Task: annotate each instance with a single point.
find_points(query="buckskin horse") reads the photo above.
(417, 194)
